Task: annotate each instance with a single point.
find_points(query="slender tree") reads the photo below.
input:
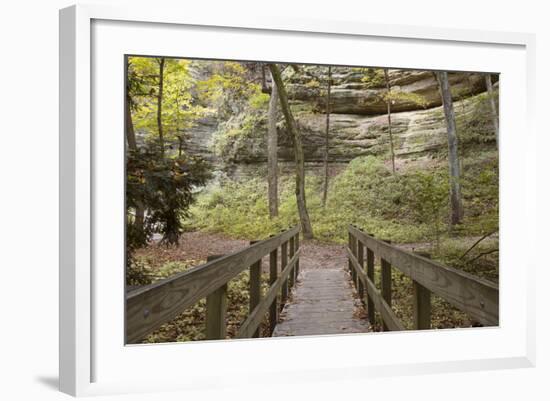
(159, 104)
(452, 139)
(272, 190)
(327, 129)
(298, 152)
(490, 95)
(132, 146)
(388, 104)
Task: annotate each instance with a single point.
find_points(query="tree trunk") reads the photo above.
(159, 105)
(130, 133)
(325, 161)
(272, 191)
(298, 153)
(388, 103)
(454, 169)
(490, 95)
(132, 145)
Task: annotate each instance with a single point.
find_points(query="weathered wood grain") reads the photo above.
(422, 307)
(370, 276)
(150, 306)
(251, 324)
(216, 308)
(475, 296)
(360, 259)
(390, 319)
(255, 288)
(291, 250)
(385, 280)
(322, 303)
(284, 259)
(297, 246)
(273, 311)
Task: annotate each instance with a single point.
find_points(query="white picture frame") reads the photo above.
(94, 361)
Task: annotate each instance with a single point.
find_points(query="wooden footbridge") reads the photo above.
(312, 301)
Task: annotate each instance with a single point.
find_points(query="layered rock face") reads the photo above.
(351, 93)
(358, 120)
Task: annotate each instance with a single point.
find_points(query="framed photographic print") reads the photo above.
(307, 193)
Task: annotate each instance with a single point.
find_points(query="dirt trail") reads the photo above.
(196, 246)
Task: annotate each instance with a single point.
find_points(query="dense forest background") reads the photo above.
(222, 151)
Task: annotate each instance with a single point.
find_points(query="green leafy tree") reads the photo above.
(161, 108)
(428, 200)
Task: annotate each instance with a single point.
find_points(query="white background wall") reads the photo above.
(29, 187)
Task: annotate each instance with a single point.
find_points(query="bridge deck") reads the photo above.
(322, 303)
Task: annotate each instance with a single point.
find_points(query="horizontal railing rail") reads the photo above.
(475, 296)
(150, 306)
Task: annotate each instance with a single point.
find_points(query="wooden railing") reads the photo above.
(150, 306)
(475, 296)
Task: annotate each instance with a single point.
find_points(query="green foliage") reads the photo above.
(373, 77)
(480, 193)
(405, 97)
(409, 206)
(228, 89)
(474, 121)
(164, 186)
(429, 194)
(232, 139)
(240, 209)
(179, 112)
(259, 101)
(368, 194)
(313, 84)
(365, 193)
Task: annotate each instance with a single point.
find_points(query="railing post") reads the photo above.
(386, 283)
(216, 309)
(370, 275)
(273, 311)
(353, 249)
(297, 268)
(292, 248)
(284, 261)
(360, 259)
(422, 306)
(255, 288)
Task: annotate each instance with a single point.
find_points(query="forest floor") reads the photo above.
(196, 246)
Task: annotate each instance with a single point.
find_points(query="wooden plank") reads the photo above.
(251, 324)
(284, 259)
(216, 308)
(150, 306)
(352, 245)
(255, 288)
(297, 269)
(422, 307)
(350, 240)
(390, 319)
(370, 276)
(292, 251)
(360, 259)
(475, 296)
(385, 275)
(273, 311)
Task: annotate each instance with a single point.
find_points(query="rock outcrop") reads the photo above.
(353, 135)
(358, 121)
(352, 94)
